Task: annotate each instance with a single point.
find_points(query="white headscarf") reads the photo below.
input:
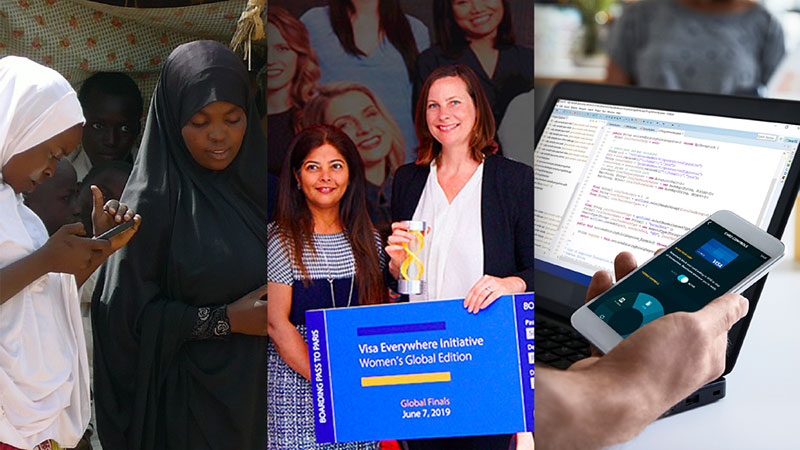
(44, 376)
(36, 103)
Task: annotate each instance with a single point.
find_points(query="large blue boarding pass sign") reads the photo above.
(417, 370)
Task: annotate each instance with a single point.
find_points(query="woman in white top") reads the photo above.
(44, 377)
(478, 207)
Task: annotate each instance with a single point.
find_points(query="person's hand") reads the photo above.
(112, 213)
(624, 264)
(488, 289)
(700, 333)
(659, 364)
(395, 250)
(68, 251)
(248, 315)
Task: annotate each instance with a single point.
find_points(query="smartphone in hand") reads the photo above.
(116, 230)
(722, 254)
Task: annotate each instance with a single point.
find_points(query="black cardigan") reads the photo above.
(506, 213)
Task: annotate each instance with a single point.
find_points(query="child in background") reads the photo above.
(112, 104)
(55, 200)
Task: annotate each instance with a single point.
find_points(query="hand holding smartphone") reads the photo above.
(722, 254)
(116, 230)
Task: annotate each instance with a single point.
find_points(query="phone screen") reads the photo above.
(686, 276)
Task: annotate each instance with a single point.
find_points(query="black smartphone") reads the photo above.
(116, 230)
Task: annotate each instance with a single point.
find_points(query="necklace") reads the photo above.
(330, 280)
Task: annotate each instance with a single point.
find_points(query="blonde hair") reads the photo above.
(314, 113)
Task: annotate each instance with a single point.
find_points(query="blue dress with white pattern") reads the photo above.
(290, 419)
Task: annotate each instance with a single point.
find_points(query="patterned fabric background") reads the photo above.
(78, 37)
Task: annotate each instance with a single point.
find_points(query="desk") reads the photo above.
(760, 409)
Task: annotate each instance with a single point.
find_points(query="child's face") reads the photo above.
(112, 125)
(54, 201)
(27, 169)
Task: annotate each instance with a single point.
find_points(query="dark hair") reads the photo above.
(450, 36)
(307, 71)
(481, 142)
(391, 20)
(112, 83)
(296, 223)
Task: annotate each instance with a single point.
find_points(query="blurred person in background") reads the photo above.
(718, 46)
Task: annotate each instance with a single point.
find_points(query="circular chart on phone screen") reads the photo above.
(628, 312)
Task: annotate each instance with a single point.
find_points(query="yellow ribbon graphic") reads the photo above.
(412, 257)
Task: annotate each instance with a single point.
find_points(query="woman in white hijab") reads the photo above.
(44, 377)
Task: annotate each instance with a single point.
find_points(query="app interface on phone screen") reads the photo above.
(684, 277)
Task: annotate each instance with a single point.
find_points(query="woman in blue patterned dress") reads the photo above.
(323, 252)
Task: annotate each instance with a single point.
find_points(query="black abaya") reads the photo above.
(202, 243)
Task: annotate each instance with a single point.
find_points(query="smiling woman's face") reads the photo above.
(450, 112)
(27, 169)
(214, 134)
(478, 18)
(323, 177)
(281, 60)
(356, 115)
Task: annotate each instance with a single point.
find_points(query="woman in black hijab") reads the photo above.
(179, 323)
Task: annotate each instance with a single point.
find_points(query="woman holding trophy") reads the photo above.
(477, 207)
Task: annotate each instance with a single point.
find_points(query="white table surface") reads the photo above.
(761, 409)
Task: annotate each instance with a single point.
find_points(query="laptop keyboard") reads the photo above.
(557, 346)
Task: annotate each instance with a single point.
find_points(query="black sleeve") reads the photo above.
(212, 323)
(523, 228)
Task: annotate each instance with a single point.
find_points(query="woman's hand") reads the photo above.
(248, 315)
(488, 289)
(107, 216)
(395, 250)
(287, 340)
(68, 251)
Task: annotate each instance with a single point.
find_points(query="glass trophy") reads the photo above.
(411, 269)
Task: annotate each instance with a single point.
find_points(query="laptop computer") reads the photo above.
(620, 168)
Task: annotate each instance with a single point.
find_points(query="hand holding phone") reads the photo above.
(113, 217)
(116, 230)
(722, 254)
